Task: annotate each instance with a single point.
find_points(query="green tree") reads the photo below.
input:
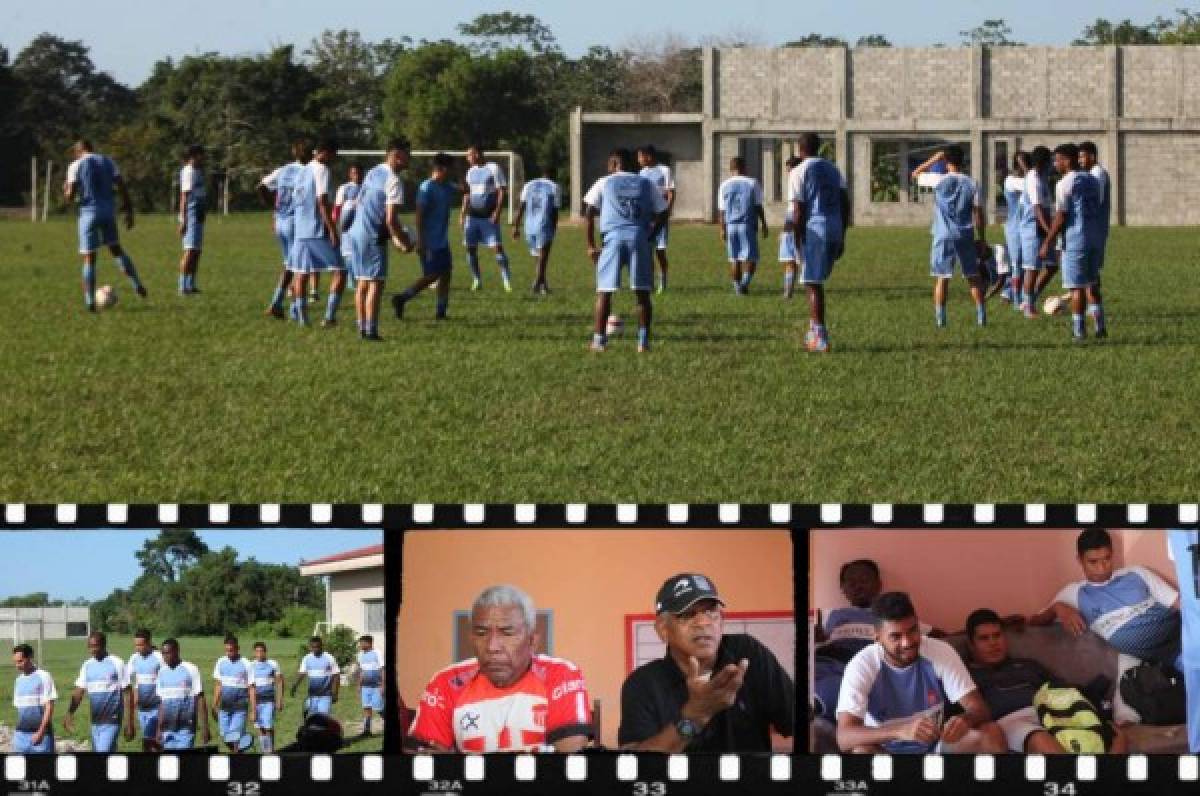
(350, 72)
(873, 40)
(507, 31)
(16, 142)
(816, 40)
(991, 33)
(167, 555)
(37, 599)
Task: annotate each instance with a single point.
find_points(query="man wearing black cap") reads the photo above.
(711, 692)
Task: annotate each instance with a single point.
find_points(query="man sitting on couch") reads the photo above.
(1008, 685)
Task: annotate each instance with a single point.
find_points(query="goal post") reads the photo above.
(514, 171)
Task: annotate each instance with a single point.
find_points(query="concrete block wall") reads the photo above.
(893, 84)
(1159, 171)
(1046, 82)
(798, 83)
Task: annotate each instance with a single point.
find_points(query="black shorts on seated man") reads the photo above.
(711, 692)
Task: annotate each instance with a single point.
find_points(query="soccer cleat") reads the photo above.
(274, 312)
(815, 343)
(476, 285)
(1030, 311)
(398, 303)
(643, 348)
(941, 322)
(507, 287)
(1101, 334)
(328, 323)
(598, 348)
(373, 337)
(141, 291)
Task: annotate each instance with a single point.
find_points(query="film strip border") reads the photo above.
(439, 515)
(601, 772)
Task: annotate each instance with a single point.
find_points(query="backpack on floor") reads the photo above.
(1156, 692)
(1072, 720)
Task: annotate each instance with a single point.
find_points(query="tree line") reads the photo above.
(504, 83)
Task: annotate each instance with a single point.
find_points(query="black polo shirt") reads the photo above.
(653, 695)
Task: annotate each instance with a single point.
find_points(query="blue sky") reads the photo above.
(126, 38)
(90, 564)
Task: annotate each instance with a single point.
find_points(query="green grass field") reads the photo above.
(204, 399)
(62, 658)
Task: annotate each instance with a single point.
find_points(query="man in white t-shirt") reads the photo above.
(896, 693)
(482, 202)
(659, 174)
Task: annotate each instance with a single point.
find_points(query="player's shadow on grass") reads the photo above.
(1016, 346)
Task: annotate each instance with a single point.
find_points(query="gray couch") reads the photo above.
(1076, 660)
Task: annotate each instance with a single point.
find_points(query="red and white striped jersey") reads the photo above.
(463, 710)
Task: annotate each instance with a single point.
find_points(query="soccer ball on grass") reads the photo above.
(105, 297)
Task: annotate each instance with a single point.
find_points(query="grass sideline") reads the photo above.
(63, 657)
(204, 399)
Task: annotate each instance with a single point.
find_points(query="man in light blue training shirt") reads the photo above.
(268, 694)
(33, 697)
(276, 190)
(376, 221)
(345, 201)
(820, 211)
(144, 665)
(1184, 547)
(91, 178)
(105, 680)
(370, 680)
(539, 209)
(481, 206)
(434, 199)
(959, 231)
(1077, 218)
(1089, 161)
(323, 675)
(740, 204)
(234, 697)
(316, 241)
(180, 691)
(1014, 197)
(1036, 218)
(631, 211)
(193, 209)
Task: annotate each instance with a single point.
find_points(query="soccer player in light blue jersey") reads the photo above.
(820, 213)
(959, 231)
(316, 240)
(144, 665)
(788, 255)
(180, 691)
(344, 203)
(91, 179)
(322, 673)
(377, 221)
(631, 212)
(268, 693)
(1014, 196)
(193, 208)
(1077, 218)
(105, 681)
(481, 206)
(33, 697)
(434, 200)
(539, 210)
(1184, 549)
(660, 174)
(1036, 218)
(1089, 162)
(740, 204)
(370, 680)
(234, 698)
(276, 190)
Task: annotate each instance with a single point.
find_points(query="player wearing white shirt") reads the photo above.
(482, 201)
(345, 201)
(1089, 162)
(144, 665)
(180, 691)
(1014, 198)
(275, 190)
(740, 204)
(268, 693)
(1077, 226)
(539, 210)
(321, 672)
(91, 179)
(193, 208)
(664, 181)
(1038, 206)
(788, 255)
(370, 680)
(34, 696)
(895, 693)
(316, 243)
(105, 681)
(376, 222)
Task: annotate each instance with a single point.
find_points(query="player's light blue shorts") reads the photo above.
(436, 262)
(193, 236)
(660, 240)
(148, 721)
(1081, 267)
(318, 704)
(945, 253)
(95, 232)
(741, 244)
(787, 248)
(368, 260)
(177, 739)
(104, 737)
(372, 697)
(1012, 247)
(232, 725)
(264, 715)
(480, 231)
(284, 236)
(538, 240)
(313, 255)
(822, 247)
(22, 743)
(619, 253)
(1031, 245)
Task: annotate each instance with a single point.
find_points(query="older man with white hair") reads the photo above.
(507, 698)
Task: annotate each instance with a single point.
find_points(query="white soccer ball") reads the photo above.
(1054, 305)
(615, 326)
(105, 297)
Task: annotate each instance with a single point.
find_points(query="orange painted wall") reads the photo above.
(949, 573)
(590, 579)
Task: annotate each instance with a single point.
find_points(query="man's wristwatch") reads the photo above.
(687, 729)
